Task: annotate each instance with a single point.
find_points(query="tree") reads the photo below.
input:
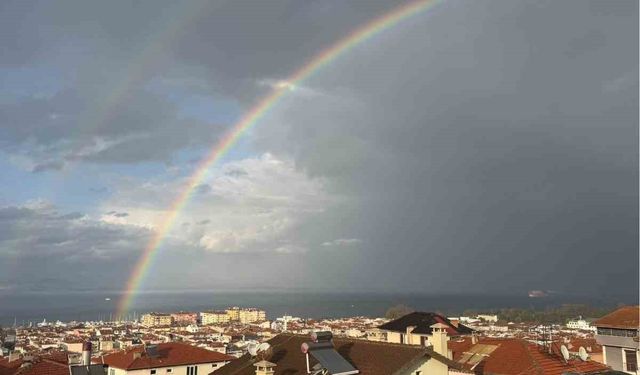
(398, 311)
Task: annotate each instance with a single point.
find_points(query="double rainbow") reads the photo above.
(320, 60)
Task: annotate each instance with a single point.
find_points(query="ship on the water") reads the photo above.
(537, 294)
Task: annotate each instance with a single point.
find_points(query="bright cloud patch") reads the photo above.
(250, 205)
(342, 242)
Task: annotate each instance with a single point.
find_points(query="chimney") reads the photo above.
(474, 338)
(407, 338)
(439, 339)
(86, 353)
(264, 368)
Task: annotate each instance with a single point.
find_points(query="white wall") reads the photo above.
(203, 369)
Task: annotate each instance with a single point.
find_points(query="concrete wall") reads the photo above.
(613, 357)
(427, 367)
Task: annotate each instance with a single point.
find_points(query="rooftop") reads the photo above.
(422, 321)
(371, 358)
(625, 317)
(167, 354)
(516, 356)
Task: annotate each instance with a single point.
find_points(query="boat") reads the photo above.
(537, 294)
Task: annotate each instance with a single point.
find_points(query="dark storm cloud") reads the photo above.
(488, 158)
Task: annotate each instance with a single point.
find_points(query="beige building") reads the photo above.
(156, 320)
(251, 315)
(214, 317)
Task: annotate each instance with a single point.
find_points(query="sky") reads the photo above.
(477, 147)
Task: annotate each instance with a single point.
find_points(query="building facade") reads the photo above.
(251, 316)
(617, 332)
(214, 317)
(156, 320)
(185, 318)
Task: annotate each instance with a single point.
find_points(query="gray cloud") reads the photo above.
(37, 242)
(488, 147)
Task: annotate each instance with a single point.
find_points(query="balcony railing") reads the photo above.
(618, 332)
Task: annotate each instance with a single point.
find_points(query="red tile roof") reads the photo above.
(517, 356)
(50, 363)
(370, 357)
(168, 354)
(625, 317)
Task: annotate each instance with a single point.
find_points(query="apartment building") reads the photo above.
(185, 318)
(164, 359)
(214, 317)
(156, 320)
(617, 332)
(251, 315)
(234, 313)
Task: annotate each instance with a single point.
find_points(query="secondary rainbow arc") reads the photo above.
(249, 119)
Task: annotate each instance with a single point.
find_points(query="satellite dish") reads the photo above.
(263, 350)
(252, 348)
(583, 353)
(565, 352)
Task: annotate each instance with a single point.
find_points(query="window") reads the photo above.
(153, 372)
(418, 372)
(618, 332)
(402, 338)
(192, 370)
(169, 370)
(631, 359)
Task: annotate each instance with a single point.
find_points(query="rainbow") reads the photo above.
(249, 119)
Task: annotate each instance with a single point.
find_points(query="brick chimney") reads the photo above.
(264, 368)
(439, 339)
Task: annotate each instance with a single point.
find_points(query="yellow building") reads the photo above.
(251, 316)
(156, 320)
(234, 313)
(214, 317)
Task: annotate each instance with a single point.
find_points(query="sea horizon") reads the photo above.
(34, 306)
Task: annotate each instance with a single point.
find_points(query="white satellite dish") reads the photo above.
(263, 351)
(565, 352)
(583, 353)
(252, 348)
(263, 347)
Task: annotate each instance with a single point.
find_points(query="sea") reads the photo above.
(25, 307)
